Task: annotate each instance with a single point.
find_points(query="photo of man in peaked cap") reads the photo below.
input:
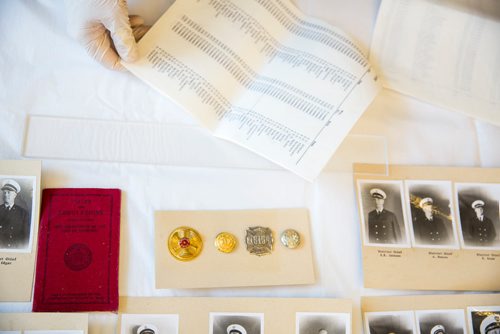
(14, 219)
(146, 329)
(481, 230)
(438, 329)
(150, 323)
(479, 215)
(490, 325)
(382, 210)
(236, 329)
(383, 227)
(444, 321)
(397, 322)
(322, 323)
(429, 228)
(236, 323)
(484, 319)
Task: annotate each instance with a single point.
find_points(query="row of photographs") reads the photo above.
(430, 214)
(237, 323)
(480, 320)
(394, 214)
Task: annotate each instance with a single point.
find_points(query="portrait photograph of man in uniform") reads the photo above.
(236, 323)
(16, 206)
(322, 323)
(441, 322)
(484, 320)
(479, 216)
(149, 323)
(401, 322)
(431, 211)
(383, 213)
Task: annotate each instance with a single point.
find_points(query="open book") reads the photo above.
(446, 52)
(260, 74)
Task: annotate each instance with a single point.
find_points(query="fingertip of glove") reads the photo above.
(118, 67)
(126, 46)
(132, 54)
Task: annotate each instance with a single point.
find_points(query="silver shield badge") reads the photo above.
(259, 240)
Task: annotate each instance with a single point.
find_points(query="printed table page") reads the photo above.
(444, 52)
(260, 74)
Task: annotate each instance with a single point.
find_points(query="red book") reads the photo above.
(78, 247)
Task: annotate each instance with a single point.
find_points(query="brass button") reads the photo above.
(290, 238)
(225, 242)
(185, 243)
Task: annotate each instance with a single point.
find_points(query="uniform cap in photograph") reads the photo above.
(490, 323)
(378, 193)
(236, 329)
(477, 204)
(426, 201)
(11, 185)
(438, 329)
(147, 329)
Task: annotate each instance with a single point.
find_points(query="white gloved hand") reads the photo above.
(105, 30)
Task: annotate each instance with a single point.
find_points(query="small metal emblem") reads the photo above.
(225, 242)
(290, 238)
(259, 240)
(185, 243)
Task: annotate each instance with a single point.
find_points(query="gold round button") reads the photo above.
(225, 242)
(290, 238)
(185, 243)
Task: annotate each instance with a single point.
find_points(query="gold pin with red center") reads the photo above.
(185, 243)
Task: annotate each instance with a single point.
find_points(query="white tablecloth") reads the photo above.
(44, 72)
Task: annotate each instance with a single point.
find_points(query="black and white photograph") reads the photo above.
(323, 323)
(484, 319)
(431, 214)
(400, 322)
(16, 213)
(236, 323)
(149, 323)
(440, 322)
(383, 213)
(479, 215)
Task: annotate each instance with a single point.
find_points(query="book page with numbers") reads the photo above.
(261, 74)
(444, 52)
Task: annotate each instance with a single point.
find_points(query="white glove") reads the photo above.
(105, 30)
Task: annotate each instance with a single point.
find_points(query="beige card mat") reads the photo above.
(44, 323)
(20, 183)
(463, 314)
(401, 252)
(213, 268)
(256, 315)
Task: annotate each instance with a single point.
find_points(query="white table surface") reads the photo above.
(44, 72)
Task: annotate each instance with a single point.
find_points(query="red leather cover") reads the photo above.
(78, 247)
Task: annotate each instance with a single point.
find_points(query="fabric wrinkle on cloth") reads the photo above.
(46, 73)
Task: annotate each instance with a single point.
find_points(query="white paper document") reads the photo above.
(446, 52)
(170, 145)
(261, 74)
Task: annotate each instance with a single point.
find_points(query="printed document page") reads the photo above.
(261, 74)
(446, 52)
